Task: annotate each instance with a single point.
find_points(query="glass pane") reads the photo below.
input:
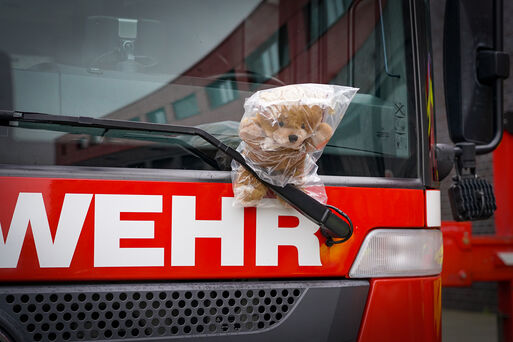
(186, 107)
(157, 116)
(222, 91)
(193, 63)
(323, 14)
(270, 57)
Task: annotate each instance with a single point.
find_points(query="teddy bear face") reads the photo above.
(290, 126)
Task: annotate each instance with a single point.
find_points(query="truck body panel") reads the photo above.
(83, 229)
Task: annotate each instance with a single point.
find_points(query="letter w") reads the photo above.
(30, 208)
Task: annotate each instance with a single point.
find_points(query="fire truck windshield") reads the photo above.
(193, 63)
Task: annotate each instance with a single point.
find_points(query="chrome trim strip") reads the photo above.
(112, 173)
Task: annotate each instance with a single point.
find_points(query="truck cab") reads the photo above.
(111, 234)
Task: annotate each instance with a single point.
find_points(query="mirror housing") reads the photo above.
(474, 67)
(444, 159)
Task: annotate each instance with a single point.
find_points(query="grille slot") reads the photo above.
(103, 313)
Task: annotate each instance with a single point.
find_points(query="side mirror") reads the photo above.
(474, 66)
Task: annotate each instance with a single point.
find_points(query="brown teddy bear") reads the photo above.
(279, 138)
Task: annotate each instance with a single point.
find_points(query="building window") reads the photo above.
(270, 57)
(322, 14)
(157, 116)
(222, 91)
(186, 107)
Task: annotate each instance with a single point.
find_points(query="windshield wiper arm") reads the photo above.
(311, 208)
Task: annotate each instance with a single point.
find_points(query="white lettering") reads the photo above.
(185, 230)
(57, 252)
(109, 229)
(269, 236)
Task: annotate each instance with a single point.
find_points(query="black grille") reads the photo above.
(104, 312)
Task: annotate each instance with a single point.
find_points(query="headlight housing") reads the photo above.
(399, 253)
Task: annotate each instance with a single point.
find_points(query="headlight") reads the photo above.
(399, 253)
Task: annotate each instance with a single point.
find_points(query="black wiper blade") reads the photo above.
(317, 212)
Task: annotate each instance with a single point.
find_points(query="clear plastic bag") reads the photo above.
(284, 131)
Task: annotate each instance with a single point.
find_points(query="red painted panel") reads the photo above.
(470, 258)
(457, 253)
(503, 185)
(368, 208)
(407, 309)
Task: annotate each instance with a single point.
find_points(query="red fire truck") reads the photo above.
(118, 122)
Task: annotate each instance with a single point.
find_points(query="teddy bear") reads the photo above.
(279, 137)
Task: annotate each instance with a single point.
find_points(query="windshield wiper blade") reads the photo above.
(317, 212)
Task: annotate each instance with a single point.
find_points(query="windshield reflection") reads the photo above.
(193, 63)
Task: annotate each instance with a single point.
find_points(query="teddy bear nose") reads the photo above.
(292, 138)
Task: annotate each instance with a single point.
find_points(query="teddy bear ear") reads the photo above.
(315, 114)
(318, 110)
(265, 120)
